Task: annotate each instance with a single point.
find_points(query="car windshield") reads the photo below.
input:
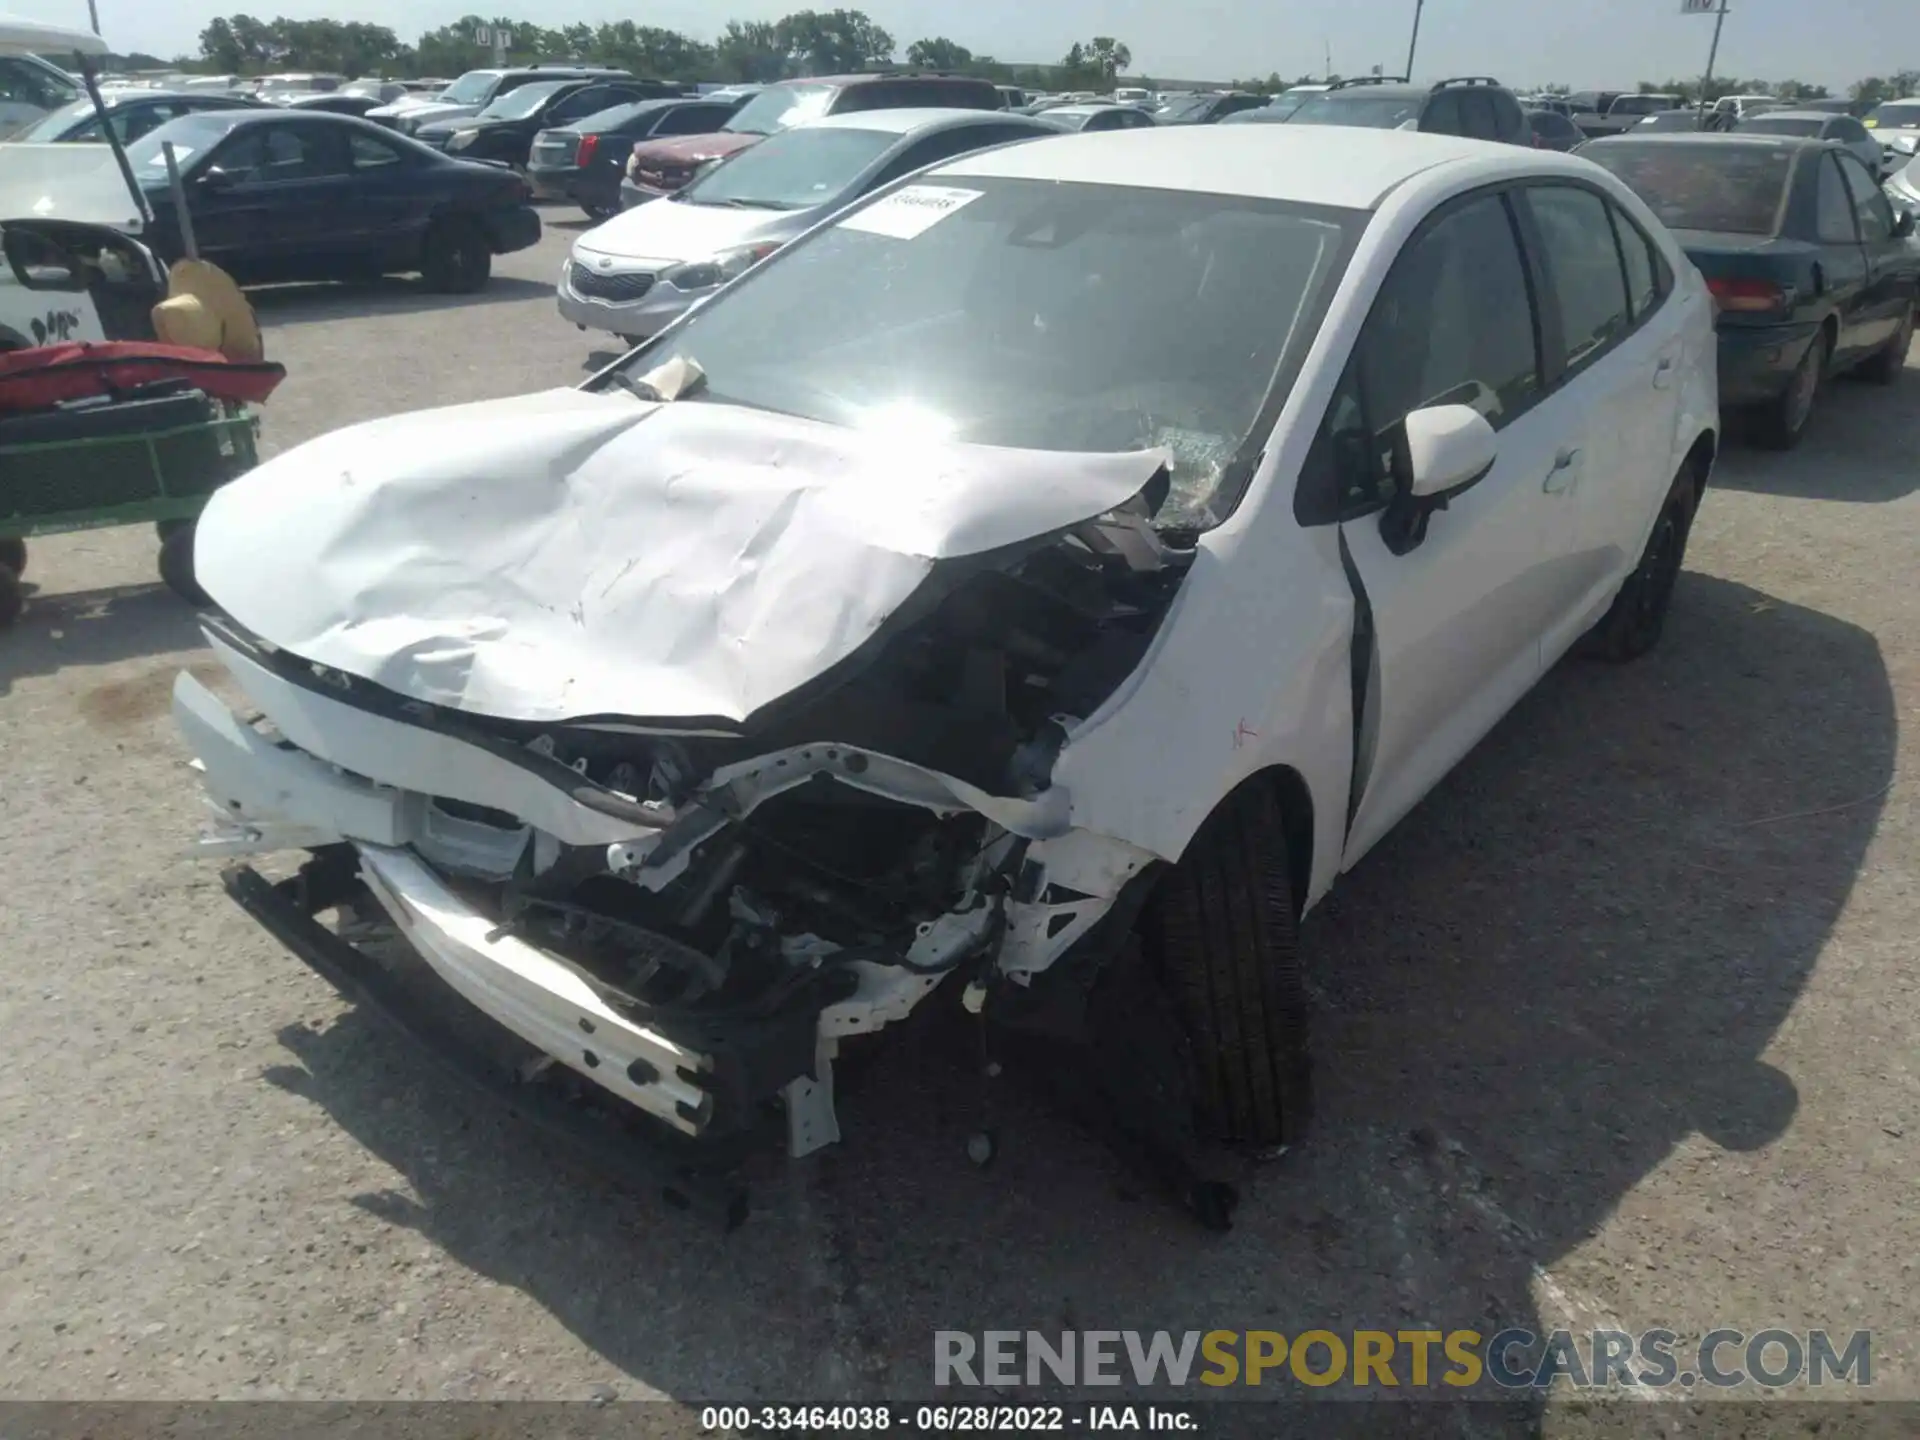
(1784, 124)
(473, 88)
(52, 126)
(1258, 115)
(794, 171)
(780, 106)
(1375, 112)
(1283, 106)
(1026, 313)
(1900, 115)
(615, 116)
(1187, 109)
(518, 104)
(1643, 104)
(1737, 189)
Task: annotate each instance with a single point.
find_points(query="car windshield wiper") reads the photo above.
(734, 203)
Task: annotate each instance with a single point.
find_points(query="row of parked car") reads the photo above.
(1811, 264)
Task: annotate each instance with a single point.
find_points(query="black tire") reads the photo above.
(1885, 365)
(600, 213)
(13, 555)
(13, 595)
(456, 258)
(1633, 625)
(176, 567)
(1779, 424)
(1221, 932)
(164, 528)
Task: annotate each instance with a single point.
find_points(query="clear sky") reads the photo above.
(1585, 43)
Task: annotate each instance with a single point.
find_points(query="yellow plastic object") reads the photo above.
(205, 309)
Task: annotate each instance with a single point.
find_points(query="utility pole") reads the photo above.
(1413, 43)
(1713, 53)
(93, 14)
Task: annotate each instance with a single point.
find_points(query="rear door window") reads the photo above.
(1870, 204)
(1644, 292)
(1835, 208)
(1584, 272)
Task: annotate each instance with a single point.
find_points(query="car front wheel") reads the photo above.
(1220, 930)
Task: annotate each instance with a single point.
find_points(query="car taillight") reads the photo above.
(588, 145)
(1747, 295)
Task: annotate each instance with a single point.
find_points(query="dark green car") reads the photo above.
(1812, 269)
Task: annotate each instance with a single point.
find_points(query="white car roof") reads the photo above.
(1313, 165)
(899, 122)
(30, 37)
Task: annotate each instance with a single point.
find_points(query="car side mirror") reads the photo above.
(1903, 224)
(1449, 447)
(1440, 451)
(214, 181)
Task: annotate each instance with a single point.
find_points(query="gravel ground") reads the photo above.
(1617, 1028)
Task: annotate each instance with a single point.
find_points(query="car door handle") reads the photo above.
(1561, 477)
(1663, 373)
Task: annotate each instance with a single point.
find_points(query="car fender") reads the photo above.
(1251, 671)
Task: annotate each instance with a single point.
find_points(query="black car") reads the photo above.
(132, 113)
(1553, 131)
(1807, 261)
(584, 162)
(277, 194)
(337, 102)
(1475, 106)
(505, 129)
(1207, 109)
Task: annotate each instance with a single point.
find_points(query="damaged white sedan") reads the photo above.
(1034, 586)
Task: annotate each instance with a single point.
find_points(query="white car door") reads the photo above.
(1451, 627)
(1608, 339)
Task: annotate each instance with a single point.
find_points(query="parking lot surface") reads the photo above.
(1615, 1031)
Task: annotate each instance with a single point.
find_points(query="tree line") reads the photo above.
(807, 42)
(1869, 91)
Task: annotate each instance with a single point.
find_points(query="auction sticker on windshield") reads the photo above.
(905, 213)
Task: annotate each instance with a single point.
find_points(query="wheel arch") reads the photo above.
(1700, 458)
(1295, 796)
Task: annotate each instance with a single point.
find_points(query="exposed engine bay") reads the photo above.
(694, 916)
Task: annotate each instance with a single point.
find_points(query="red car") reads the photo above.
(660, 167)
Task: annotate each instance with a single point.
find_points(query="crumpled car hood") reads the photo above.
(572, 555)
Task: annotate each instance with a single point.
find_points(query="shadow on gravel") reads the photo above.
(1883, 428)
(94, 627)
(1569, 959)
(283, 305)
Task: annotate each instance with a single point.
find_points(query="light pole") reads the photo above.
(1713, 53)
(93, 14)
(1414, 42)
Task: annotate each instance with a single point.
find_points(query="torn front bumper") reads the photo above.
(686, 1175)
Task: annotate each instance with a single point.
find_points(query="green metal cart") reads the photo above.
(118, 463)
